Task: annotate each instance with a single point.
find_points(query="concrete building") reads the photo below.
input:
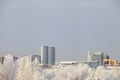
(111, 62)
(47, 56)
(95, 59)
(44, 55)
(98, 57)
(52, 56)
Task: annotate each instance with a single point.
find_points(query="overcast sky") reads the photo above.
(74, 27)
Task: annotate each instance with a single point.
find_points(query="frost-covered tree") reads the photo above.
(79, 72)
(25, 69)
(28, 70)
(7, 70)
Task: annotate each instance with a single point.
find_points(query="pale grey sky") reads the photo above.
(72, 26)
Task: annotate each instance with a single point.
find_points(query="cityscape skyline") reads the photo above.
(73, 27)
(48, 56)
(47, 59)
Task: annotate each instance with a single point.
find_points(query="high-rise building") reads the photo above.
(44, 55)
(51, 55)
(95, 59)
(47, 55)
(98, 56)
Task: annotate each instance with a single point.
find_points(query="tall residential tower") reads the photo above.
(52, 56)
(47, 55)
(44, 55)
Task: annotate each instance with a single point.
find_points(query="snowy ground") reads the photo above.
(24, 69)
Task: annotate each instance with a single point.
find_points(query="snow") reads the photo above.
(24, 69)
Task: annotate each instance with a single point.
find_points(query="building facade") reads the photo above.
(44, 55)
(95, 59)
(98, 57)
(52, 56)
(111, 62)
(47, 56)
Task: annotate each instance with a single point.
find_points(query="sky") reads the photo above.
(74, 27)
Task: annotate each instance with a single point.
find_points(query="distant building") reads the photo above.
(92, 64)
(47, 56)
(95, 59)
(35, 57)
(44, 55)
(89, 56)
(52, 56)
(111, 62)
(97, 56)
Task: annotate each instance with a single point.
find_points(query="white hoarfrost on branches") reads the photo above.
(25, 69)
